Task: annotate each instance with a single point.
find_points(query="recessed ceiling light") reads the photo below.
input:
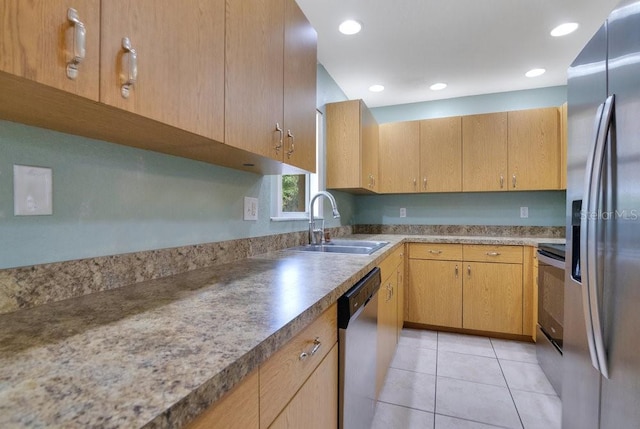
(564, 29)
(376, 88)
(350, 27)
(535, 72)
(438, 86)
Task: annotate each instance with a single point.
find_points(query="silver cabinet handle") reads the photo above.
(514, 181)
(424, 183)
(129, 67)
(316, 346)
(501, 181)
(292, 147)
(79, 43)
(456, 271)
(469, 270)
(281, 131)
(371, 180)
(589, 241)
(493, 253)
(435, 252)
(415, 183)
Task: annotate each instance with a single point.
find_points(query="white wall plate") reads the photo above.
(32, 190)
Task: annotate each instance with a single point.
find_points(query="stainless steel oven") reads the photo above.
(551, 266)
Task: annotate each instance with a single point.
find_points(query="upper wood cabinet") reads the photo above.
(399, 161)
(534, 149)
(484, 152)
(271, 81)
(352, 147)
(441, 155)
(179, 62)
(564, 137)
(40, 42)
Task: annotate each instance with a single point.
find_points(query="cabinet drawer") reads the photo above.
(389, 265)
(286, 371)
(436, 251)
(491, 253)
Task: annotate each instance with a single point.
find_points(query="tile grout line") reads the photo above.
(435, 391)
(508, 387)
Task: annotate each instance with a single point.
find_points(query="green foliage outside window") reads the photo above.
(293, 193)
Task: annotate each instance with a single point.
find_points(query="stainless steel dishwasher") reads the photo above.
(357, 335)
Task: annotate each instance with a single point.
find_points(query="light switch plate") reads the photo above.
(250, 208)
(403, 212)
(524, 212)
(32, 190)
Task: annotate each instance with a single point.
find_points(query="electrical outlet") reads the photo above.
(403, 212)
(250, 208)
(524, 212)
(32, 190)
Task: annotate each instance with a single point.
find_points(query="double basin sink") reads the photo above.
(358, 247)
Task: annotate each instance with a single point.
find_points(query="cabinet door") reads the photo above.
(387, 331)
(492, 297)
(534, 149)
(180, 61)
(484, 152)
(344, 143)
(441, 155)
(563, 145)
(300, 68)
(399, 157)
(369, 155)
(254, 59)
(38, 43)
(238, 409)
(315, 406)
(434, 296)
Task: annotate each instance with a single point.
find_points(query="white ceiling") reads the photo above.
(475, 46)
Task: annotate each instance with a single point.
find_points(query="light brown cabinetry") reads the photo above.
(271, 81)
(288, 369)
(296, 387)
(315, 406)
(38, 41)
(389, 309)
(475, 287)
(492, 297)
(484, 152)
(399, 161)
(238, 409)
(179, 65)
(563, 145)
(441, 155)
(534, 149)
(352, 147)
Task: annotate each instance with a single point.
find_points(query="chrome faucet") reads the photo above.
(316, 235)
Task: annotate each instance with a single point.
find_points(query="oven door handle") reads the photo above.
(550, 261)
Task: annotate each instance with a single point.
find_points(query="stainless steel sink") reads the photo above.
(358, 247)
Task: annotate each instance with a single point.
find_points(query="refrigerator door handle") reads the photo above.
(592, 221)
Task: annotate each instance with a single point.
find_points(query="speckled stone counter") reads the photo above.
(157, 353)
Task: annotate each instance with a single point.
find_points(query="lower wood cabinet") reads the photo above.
(315, 406)
(475, 287)
(435, 293)
(492, 297)
(296, 387)
(390, 303)
(238, 409)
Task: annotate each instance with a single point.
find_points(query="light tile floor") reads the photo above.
(445, 381)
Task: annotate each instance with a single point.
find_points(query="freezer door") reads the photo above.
(620, 407)
(587, 89)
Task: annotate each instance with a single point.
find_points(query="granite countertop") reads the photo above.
(157, 353)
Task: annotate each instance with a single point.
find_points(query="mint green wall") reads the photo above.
(486, 103)
(110, 199)
(478, 208)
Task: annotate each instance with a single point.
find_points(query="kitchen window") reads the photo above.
(293, 191)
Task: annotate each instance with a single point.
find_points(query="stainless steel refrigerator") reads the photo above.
(601, 362)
